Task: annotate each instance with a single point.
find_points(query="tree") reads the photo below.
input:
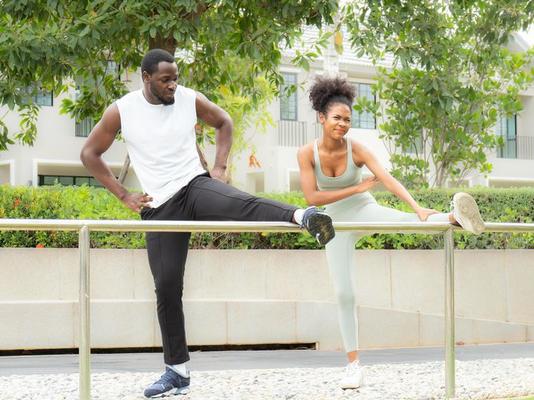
(61, 45)
(452, 77)
(245, 114)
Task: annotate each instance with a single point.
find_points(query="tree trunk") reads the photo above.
(124, 169)
(165, 43)
(440, 177)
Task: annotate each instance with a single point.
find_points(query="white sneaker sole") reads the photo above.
(172, 392)
(467, 214)
(351, 386)
(352, 382)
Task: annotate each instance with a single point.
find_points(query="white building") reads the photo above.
(55, 154)
(296, 125)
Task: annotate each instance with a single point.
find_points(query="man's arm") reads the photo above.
(219, 119)
(100, 139)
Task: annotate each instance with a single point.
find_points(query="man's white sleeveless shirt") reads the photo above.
(161, 142)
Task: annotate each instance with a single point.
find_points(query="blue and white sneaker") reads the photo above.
(319, 224)
(170, 383)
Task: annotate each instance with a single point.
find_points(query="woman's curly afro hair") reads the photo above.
(326, 91)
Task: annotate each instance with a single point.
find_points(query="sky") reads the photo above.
(529, 35)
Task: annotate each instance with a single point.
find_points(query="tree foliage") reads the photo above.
(452, 77)
(68, 45)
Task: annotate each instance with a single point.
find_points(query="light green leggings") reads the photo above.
(339, 253)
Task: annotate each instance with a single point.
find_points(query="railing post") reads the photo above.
(85, 306)
(450, 390)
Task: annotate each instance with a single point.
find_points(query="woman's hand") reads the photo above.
(423, 213)
(367, 184)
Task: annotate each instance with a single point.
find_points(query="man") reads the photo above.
(158, 125)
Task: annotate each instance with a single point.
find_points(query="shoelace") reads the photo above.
(166, 378)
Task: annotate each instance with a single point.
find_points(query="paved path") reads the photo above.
(230, 360)
(483, 372)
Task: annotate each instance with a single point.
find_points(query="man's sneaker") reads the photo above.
(465, 212)
(318, 224)
(353, 378)
(170, 383)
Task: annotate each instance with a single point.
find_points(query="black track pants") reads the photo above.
(203, 198)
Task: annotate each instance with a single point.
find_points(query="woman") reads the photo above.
(331, 175)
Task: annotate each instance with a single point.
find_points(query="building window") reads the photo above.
(288, 102)
(365, 119)
(44, 98)
(49, 180)
(83, 128)
(507, 128)
(41, 98)
(113, 69)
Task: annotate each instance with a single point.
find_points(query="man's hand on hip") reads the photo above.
(136, 201)
(219, 174)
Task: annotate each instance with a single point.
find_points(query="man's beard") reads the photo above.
(163, 100)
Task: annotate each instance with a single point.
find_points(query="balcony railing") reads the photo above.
(317, 129)
(292, 133)
(298, 133)
(83, 128)
(520, 147)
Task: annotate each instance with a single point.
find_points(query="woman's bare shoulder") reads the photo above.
(307, 149)
(359, 150)
(305, 153)
(357, 145)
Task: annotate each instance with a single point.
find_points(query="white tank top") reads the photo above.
(161, 142)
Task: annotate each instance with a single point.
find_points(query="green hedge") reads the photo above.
(497, 205)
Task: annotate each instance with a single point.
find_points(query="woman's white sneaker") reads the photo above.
(353, 378)
(465, 212)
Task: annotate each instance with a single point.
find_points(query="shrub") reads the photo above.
(497, 205)
(60, 202)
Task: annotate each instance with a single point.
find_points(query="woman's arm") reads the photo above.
(308, 182)
(363, 155)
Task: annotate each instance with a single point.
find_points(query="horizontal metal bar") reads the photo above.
(208, 226)
(237, 226)
(393, 227)
(508, 227)
(147, 226)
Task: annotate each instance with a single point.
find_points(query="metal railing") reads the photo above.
(519, 147)
(83, 128)
(297, 133)
(292, 133)
(84, 227)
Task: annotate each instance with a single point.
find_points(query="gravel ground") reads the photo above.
(484, 379)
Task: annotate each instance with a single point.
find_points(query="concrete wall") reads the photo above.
(266, 296)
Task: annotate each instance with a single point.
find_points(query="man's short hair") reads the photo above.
(153, 58)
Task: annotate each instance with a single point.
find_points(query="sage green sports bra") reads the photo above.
(352, 175)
